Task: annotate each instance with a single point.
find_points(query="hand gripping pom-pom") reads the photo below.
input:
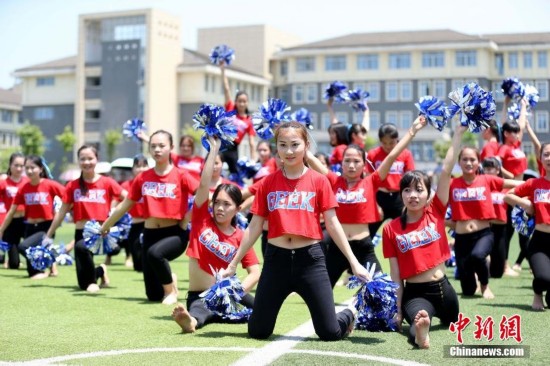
(215, 121)
(95, 242)
(222, 53)
(41, 257)
(435, 111)
(63, 259)
(224, 297)
(303, 116)
(475, 105)
(133, 128)
(522, 223)
(336, 90)
(271, 114)
(513, 88)
(357, 99)
(242, 221)
(514, 112)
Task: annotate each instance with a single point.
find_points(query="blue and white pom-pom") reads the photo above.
(336, 169)
(451, 262)
(532, 96)
(242, 221)
(336, 90)
(124, 224)
(4, 246)
(132, 129)
(448, 216)
(513, 88)
(215, 121)
(376, 239)
(246, 169)
(41, 256)
(63, 259)
(376, 302)
(513, 112)
(224, 297)
(522, 222)
(222, 53)
(271, 114)
(357, 99)
(302, 116)
(435, 111)
(475, 105)
(95, 242)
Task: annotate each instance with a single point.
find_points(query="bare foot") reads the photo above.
(108, 260)
(538, 305)
(517, 267)
(129, 263)
(187, 323)
(39, 276)
(422, 327)
(104, 281)
(93, 288)
(53, 270)
(510, 272)
(486, 292)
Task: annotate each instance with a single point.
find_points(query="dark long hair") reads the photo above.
(361, 153)
(239, 93)
(234, 193)
(412, 178)
(170, 138)
(388, 129)
(13, 156)
(355, 128)
(81, 183)
(38, 161)
(341, 132)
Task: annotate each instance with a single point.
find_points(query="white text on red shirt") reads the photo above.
(159, 190)
(398, 167)
(542, 195)
(469, 194)
(417, 238)
(290, 200)
(345, 196)
(93, 195)
(36, 198)
(222, 250)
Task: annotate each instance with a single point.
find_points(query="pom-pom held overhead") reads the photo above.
(133, 128)
(271, 114)
(532, 95)
(435, 111)
(475, 105)
(215, 121)
(522, 222)
(513, 88)
(303, 116)
(514, 112)
(222, 53)
(357, 99)
(336, 90)
(224, 297)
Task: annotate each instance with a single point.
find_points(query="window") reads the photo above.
(527, 60)
(466, 58)
(542, 59)
(367, 62)
(542, 87)
(93, 81)
(305, 64)
(424, 88)
(7, 116)
(374, 90)
(93, 114)
(400, 60)
(283, 68)
(325, 120)
(213, 83)
(312, 91)
(45, 81)
(335, 63)
(392, 117)
(283, 94)
(42, 113)
(415, 149)
(358, 117)
(428, 151)
(499, 63)
(374, 121)
(392, 91)
(342, 117)
(405, 119)
(513, 60)
(405, 91)
(440, 89)
(541, 124)
(498, 95)
(433, 59)
(297, 94)
(528, 148)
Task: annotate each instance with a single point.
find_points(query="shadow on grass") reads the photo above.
(139, 300)
(524, 307)
(68, 287)
(215, 334)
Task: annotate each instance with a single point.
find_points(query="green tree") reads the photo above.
(370, 142)
(441, 147)
(532, 162)
(5, 158)
(195, 134)
(32, 139)
(112, 139)
(67, 139)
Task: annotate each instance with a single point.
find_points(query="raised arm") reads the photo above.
(333, 118)
(226, 91)
(315, 163)
(522, 120)
(450, 159)
(536, 142)
(366, 120)
(201, 196)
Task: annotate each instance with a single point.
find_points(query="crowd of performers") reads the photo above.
(316, 215)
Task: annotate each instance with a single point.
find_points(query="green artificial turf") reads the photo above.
(52, 317)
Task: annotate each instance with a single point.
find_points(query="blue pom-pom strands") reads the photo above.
(41, 257)
(4, 246)
(246, 169)
(532, 96)
(242, 221)
(435, 111)
(222, 53)
(375, 301)
(336, 90)
(215, 121)
(357, 99)
(124, 224)
(224, 297)
(522, 222)
(513, 88)
(133, 128)
(475, 105)
(302, 116)
(63, 258)
(271, 114)
(96, 243)
(448, 215)
(514, 112)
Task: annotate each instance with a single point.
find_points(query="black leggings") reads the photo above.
(498, 253)
(539, 259)
(86, 271)
(438, 298)
(159, 247)
(392, 206)
(135, 246)
(471, 251)
(198, 310)
(13, 235)
(230, 157)
(302, 271)
(34, 233)
(337, 263)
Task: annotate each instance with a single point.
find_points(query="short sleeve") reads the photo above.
(19, 199)
(326, 199)
(409, 161)
(190, 183)
(332, 178)
(437, 207)
(57, 189)
(525, 189)
(495, 183)
(388, 249)
(230, 106)
(200, 214)
(250, 128)
(376, 181)
(116, 189)
(259, 206)
(253, 189)
(135, 190)
(370, 158)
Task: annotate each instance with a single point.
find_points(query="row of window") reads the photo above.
(9, 139)
(403, 60)
(45, 81)
(7, 116)
(213, 84)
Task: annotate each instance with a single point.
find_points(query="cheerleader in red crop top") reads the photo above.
(416, 245)
(292, 199)
(213, 243)
(491, 135)
(186, 160)
(164, 190)
(8, 189)
(37, 197)
(472, 210)
(514, 161)
(356, 198)
(90, 198)
(535, 193)
(269, 165)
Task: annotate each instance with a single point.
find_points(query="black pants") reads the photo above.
(86, 271)
(523, 240)
(438, 298)
(198, 310)
(471, 251)
(13, 235)
(498, 253)
(337, 263)
(230, 157)
(34, 233)
(159, 247)
(135, 245)
(392, 206)
(264, 241)
(302, 271)
(539, 260)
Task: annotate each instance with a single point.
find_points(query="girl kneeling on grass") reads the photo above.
(292, 199)
(213, 243)
(416, 244)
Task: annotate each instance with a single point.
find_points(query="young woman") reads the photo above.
(269, 165)
(536, 192)
(8, 189)
(514, 161)
(216, 177)
(292, 199)
(37, 197)
(164, 190)
(243, 123)
(416, 245)
(491, 136)
(213, 243)
(472, 210)
(388, 196)
(90, 198)
(355, 195)
(187, 160)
